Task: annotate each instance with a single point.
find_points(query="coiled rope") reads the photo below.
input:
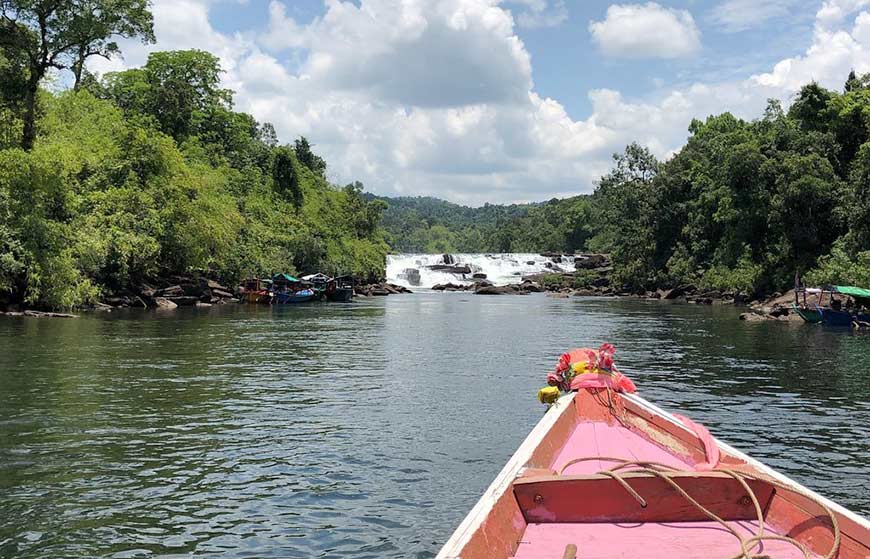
(664, 472)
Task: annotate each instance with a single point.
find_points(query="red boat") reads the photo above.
(607, 474)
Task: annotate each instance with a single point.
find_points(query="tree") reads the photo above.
(852, 82)
(810, 108)
(179, 89)
(62, 34)
(285, 176)
(102, 19)
(266, 134)
(13, 81)
(625, 206)
(308, 158)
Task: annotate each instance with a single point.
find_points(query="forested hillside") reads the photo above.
(431, 225)
(742, 207)
(150, 172)
(745, 205)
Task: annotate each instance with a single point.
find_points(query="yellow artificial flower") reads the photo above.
(579, 368)
(549, 394)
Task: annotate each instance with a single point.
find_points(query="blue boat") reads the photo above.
(290, 297)
(288, 290)
(857, 314)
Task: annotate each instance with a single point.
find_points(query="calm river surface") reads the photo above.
(369, 429)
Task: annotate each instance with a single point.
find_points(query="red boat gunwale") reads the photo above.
(507, 513)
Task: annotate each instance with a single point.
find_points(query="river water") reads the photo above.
(369, 429)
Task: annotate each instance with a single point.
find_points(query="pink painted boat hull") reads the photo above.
(545, 505)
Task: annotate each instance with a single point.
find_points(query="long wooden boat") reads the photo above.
(292, 297)
(811, 315)
(808, 311)
(608, 475)
(256, 291)
(340, 289)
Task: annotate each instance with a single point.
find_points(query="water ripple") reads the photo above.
(368, 430)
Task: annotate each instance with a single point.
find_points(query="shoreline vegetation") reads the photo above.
(742, 208)
(123, 182)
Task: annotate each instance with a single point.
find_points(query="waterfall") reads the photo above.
(500, 269)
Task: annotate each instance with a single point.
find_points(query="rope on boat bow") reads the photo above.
(664, 472)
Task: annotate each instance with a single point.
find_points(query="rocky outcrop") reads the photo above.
(381, 289)
(164, 303)
(591, 261)
(680, 291)
(39, 314)
(532, 286)
(178, 290)
(411, 275)
(457, 269)
(499, 290)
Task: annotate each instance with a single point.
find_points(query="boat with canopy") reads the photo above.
(855, 312)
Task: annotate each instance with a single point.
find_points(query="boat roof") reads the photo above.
(853, 291)
(285, 277)
(316, 277)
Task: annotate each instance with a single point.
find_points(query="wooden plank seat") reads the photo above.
(600, 498)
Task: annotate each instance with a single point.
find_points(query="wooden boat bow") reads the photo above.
(559, 490)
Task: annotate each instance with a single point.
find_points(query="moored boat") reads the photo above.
(811, 315)
(290, 297)
(607, 474)
(289, 290)
(256, 291)
(340, 289)
(805, 309)
(852, 308)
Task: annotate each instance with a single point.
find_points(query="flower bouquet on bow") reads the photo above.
(585, 368)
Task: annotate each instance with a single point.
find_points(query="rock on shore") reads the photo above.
(381, 289)
(169, 293)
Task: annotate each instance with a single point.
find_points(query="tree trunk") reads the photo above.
(29, 136)
(77, 72)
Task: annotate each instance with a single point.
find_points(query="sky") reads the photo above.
(499, 101)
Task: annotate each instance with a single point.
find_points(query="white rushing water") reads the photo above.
(500, 269)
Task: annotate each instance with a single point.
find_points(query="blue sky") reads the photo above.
(506, 100)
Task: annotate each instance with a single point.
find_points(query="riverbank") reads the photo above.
(591, 277)
(177, 291)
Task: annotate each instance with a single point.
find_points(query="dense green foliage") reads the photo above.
(429, 225)
(150, 173)
(45, 35)
(745, 205)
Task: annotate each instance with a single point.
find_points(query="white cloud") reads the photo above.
(833, 12)
(437, 97)
(739, 15)
(828, 60)
(420, 53)
(540, 14)
(646, 31)
(284, 32)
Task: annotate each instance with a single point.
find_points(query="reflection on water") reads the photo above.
(369, 430)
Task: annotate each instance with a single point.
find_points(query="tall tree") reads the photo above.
(62, 34)
(100, 20)
(285, 176)
(308, 158)
(13, 80)
(179, 89)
